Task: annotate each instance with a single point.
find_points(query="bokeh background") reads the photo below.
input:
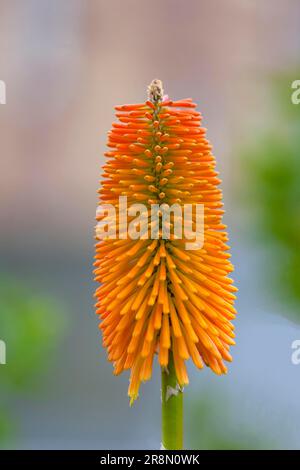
(66, 63)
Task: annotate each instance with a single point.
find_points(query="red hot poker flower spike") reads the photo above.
(155, 297)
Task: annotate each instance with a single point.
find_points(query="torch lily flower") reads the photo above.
(156, 298)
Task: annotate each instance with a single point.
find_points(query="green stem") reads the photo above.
(172, 409)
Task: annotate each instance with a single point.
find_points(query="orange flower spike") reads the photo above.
(156, 298)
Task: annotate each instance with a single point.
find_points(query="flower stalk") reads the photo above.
(172, 409)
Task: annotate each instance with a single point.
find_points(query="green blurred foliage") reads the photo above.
(7, 428)
(272, 165)
(212, 415)
(30, 326)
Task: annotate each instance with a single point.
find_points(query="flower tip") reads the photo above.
(155, 91)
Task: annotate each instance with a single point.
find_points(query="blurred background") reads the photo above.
(66, 63)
